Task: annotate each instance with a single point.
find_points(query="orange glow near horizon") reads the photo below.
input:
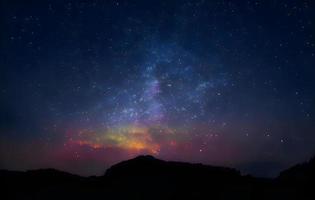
(130, 138)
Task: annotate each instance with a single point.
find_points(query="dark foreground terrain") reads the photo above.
(145, 177)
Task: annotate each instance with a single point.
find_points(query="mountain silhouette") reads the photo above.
(146, 177)
(148, 166)
(300, 173)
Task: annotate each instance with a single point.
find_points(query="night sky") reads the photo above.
(87, 84)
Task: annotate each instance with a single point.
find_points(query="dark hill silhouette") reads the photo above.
(39, 178)
(146, 177)
(148, 166)
(299, 179)
(304, 172)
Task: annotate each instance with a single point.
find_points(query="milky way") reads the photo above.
(158, 100)
(85, 85)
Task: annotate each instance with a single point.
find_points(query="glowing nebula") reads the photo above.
(130, 138)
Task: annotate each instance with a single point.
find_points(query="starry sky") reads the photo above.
(87, 84)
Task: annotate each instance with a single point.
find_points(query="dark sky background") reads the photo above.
(86, 84)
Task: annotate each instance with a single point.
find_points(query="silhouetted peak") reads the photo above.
(312, 160)
(148, 166)
(301, 172)
(141, 160)
(145, 157)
